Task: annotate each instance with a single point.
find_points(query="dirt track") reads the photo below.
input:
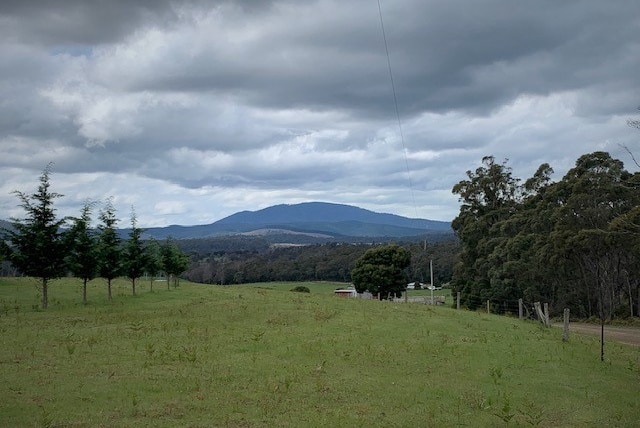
(628, 335)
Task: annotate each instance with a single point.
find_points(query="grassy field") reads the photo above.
(260, 355)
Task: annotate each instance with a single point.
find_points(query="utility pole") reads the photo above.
(431, 286)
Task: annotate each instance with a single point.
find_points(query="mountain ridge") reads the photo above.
(322, 221)
(334, 220)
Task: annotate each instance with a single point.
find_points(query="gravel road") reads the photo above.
(628, 335)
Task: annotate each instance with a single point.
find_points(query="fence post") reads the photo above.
(488, 308)
(542, 316)
(519, 308)
(546, 315)
(458, 301)
(565, 332)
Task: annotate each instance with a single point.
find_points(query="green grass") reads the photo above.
(260, 355)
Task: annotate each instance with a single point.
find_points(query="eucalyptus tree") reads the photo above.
(598, 191)
(110, 253)
(573, 243)
(82, 248)
(36, 243)
(489, 195)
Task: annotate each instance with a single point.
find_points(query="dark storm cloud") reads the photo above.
(445, 55)
(259, 102)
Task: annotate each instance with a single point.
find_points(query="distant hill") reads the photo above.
(319, 220)
(4, 224)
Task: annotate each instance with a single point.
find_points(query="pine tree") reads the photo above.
(135, 259)
(110, 253)
(36, 243)
(82, 255)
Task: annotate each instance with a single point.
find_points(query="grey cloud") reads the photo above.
(257, 102)
(79, 22)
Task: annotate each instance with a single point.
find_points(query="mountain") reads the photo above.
(4, 224)
(315, 219)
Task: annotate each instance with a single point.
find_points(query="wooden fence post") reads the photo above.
(519, 308)
(543, 316)
(546, 315)
(488, 307)
(565, 331)
(458, 301)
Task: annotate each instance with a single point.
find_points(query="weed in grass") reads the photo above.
(189, 353)
(46, 418)
(279, 319)
(476, 400)
(533, 414)
(190, 328)
(320, 368)
(257, 336)
(136, 326)
(496, 374)
(282, 386)
(150, 349)
(322, 386)
(323, 315)
(445, 339)
(92, 341)
(505, 412)
(134, 404)
(71, 347)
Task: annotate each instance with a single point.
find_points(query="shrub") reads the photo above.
(301, 289)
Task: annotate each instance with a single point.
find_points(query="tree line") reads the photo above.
(253, 260)
(573, 243)
(47, 247)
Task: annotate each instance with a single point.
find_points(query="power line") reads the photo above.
(395, 101)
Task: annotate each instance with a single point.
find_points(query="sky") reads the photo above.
(186, 112)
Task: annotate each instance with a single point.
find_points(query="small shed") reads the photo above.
(346, 292)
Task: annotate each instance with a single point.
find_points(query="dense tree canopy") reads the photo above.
(572, 243)
(381, 271)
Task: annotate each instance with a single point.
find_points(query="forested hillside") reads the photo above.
(240, 260)
(310, 222)
(573, 243)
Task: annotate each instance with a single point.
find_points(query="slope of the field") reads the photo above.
(265, 356)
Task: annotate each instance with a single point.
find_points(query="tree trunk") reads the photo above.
(84, 291)
(45, 297)
(133, 285)
(109, 287)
